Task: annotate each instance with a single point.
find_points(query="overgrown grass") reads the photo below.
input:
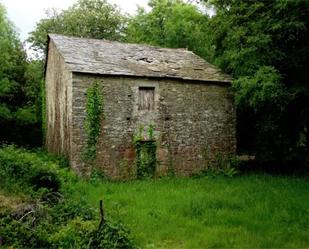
(248, 211)
(45, 211)
(253, 211)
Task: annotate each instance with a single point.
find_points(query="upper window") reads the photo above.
(146, 98)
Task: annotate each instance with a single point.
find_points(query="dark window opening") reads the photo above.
(146, 98)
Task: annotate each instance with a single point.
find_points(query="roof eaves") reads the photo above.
(157, 77)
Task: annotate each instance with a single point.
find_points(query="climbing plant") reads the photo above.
(92, 125)
(146, 147)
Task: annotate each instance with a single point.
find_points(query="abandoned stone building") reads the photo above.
(170, 98)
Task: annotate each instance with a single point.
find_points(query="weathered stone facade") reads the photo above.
(194, 120)
(58, 84)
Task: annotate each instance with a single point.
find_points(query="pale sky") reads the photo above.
(25, 13)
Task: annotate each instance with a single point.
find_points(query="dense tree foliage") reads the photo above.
(170, 23)
(18, 93)
(265, 46)
(87, 18)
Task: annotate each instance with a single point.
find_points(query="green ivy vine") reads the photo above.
(145, 146)
(92, 125)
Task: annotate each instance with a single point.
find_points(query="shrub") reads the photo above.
(77, 233)
(25, 169)
(68, 224)
(112, 235)
(57, 217)
(85, 234)
(63, 226)
(16, 234)
(69, 209)
(221, 166)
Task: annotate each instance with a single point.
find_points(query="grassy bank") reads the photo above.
(41, 208)
(246, 211)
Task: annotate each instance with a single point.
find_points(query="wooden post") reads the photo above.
(102, 221)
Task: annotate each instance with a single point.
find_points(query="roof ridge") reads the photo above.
(88, 55)
(119, 42)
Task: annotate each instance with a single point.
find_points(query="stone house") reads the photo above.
(183, 101)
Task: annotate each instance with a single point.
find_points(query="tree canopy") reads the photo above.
(170, 23)
(87, 18)
(265, 46)
(17, 108)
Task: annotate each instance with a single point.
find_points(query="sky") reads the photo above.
(26, 13)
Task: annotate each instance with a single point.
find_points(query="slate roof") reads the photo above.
(116, 58)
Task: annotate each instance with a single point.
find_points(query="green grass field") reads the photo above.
(245, 211)
(255, 211)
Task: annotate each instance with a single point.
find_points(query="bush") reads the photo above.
(69, 209)
(57, 216)
(85, 234)
(62, 226)
(227, 166)
(27, 170)
(77, 233)
(112, 235)
(16, 234)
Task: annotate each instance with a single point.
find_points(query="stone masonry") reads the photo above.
(194, 119)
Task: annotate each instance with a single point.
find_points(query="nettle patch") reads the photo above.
(146, 147)
(92, 125)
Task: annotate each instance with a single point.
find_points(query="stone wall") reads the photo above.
(194, 121)
(58, 103)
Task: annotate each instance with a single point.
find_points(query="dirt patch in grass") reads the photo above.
(10, 203)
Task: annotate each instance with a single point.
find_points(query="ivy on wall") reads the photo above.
(92, 125)
(145, 146)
